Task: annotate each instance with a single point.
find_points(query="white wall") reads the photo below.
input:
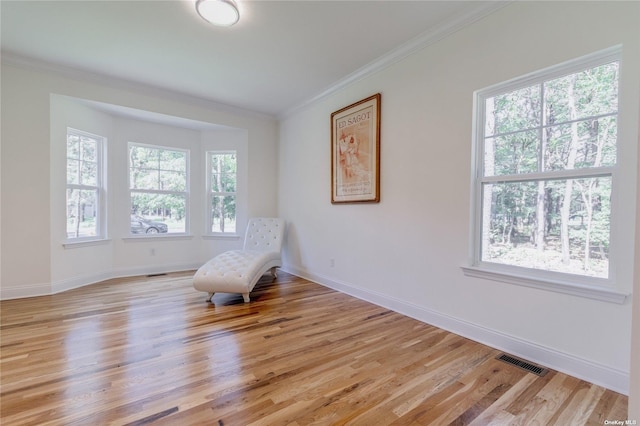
(25, 196)
(38, 105)
(406, 251)
(634, 388)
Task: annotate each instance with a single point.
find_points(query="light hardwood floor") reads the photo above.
(151, 350)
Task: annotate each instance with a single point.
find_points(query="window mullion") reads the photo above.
(82, 187)
(158, 191)
(582, 119)
(551, 175)
(544, 126)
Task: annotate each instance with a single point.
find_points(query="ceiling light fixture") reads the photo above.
(218, 12)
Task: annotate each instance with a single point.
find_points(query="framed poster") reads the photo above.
(355, 152)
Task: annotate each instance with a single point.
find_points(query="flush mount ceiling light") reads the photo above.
(218, 12)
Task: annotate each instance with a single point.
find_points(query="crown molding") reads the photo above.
(473, 14)
(28, 63)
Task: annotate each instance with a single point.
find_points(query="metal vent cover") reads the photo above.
(522, 364)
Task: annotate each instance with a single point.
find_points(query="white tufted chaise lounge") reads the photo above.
(238, 271)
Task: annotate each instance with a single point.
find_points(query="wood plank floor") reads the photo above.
(150, 350)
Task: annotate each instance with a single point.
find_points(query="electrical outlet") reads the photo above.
(152, 252)
(332, 263)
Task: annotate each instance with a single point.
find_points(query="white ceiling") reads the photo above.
(281, 55)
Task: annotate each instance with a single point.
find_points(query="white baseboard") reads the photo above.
(77, 282)
(601, 375)
(29, 290)
(156, 269)
(59, 286)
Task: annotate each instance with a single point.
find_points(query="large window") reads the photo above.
(221, 187)
(84, 186)
(546, 151)
(158, 183)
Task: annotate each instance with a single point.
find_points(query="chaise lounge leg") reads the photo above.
(210, 297)
(274, 273)
(245, 296)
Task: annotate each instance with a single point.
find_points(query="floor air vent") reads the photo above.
(524, 365)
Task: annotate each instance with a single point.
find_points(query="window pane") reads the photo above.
(511, 154)
(172, 181)
(82, 213)
(173, 160)
(73, 174)
(589, 143)
(89, 175)
(528, 224)
(82, 160)
(223, 213)
(223, 163)
(223, 172)
(89, 149)
(584, 94)
(144, 179)
(517, 110)
(73, 146)
(157, 169)
(157, 213)
(142, 157)
(223, 182)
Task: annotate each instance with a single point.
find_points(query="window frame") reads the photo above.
(101, 229)
(185, 193)
(211, 193)
(581, 285)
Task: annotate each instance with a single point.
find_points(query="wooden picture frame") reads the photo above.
(355, 152)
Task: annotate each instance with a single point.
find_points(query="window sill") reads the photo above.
(221, 237)
(559, 286)
(69, 244)
(152, 237)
